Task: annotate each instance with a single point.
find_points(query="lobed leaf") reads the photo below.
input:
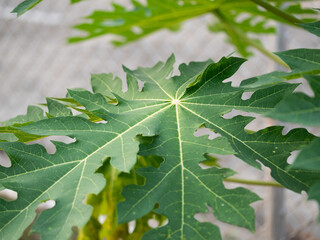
(133, 23)
(159, 120)
(141, 20)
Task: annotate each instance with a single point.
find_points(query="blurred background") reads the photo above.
(36, 62)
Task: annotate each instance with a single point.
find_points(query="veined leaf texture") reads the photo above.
(160, 120)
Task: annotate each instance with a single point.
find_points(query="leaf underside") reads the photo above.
(168, 111)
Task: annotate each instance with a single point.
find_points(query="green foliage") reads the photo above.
(300, 108)
(9, 129)
(135, 156)
(309, 159)
(304, 110)
(238, 19)
(301, 61)
(313, 27)
(33, 114)
(105, 204)
(133, 23)
(25, 6)
(57, 109)
(160, 120)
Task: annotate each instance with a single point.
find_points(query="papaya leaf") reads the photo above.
(158, 120)
(139, 20)
(133, 23)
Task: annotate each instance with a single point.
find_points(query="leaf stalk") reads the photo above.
(278, 12)
(253, 182)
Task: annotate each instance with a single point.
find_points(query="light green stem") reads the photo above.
(278, 12)
(232, 29)
(253, 182)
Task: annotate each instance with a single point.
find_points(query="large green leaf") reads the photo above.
(302, 109)
(168, 110)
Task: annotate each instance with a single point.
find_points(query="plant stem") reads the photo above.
(235, 31)
(278, 12)
(253, 182)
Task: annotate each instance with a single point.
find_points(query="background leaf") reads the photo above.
(25, 6)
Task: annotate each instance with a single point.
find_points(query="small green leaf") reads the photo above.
(25, 6)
